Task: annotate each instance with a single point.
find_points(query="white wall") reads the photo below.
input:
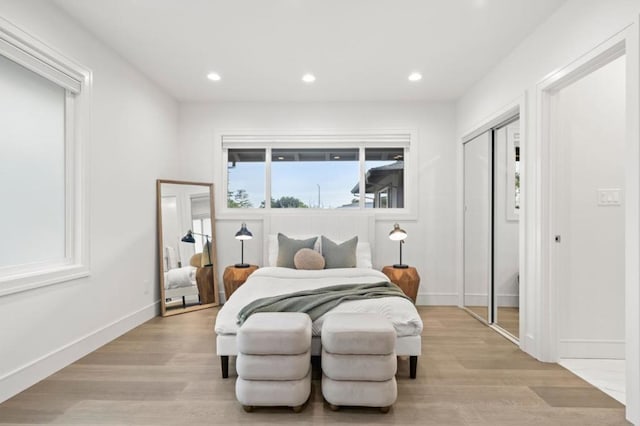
(590, 130)
(133, 134)
(431, 242)
(574, 30)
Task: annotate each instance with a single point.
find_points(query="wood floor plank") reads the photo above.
(165, 372)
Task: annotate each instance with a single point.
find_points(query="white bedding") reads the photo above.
(272, 281)
(180, 277)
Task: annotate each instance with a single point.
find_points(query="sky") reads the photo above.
(300, 180)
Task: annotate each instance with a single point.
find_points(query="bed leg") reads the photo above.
(413, 366)
(224, 363)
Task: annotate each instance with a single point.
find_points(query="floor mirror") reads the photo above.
(186, 246)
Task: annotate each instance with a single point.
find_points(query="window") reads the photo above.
(200, 218)
(384, 178)
(245, 178)
(316, 172)
(43, 120)
(32, 173)
(315, 178)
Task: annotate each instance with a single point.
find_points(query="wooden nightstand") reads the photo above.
(234, 277)
(405, 278)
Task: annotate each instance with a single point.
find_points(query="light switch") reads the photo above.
(609, 197)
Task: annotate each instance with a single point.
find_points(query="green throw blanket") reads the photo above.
(319, 301)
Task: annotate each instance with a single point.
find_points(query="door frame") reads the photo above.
(542, 223)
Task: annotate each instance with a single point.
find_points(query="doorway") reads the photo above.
(587, 143)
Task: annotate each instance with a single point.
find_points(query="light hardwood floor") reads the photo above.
(166, 372)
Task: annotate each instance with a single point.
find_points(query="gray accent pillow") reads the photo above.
(339, 255)
(288, 247)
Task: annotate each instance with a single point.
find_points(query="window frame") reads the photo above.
(31, 53)
(325, 139)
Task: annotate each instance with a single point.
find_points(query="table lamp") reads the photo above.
(243, 234)
(398, 234)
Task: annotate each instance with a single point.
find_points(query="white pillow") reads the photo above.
(363, 255)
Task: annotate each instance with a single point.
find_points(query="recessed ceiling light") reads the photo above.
(336, 157)
(213, 76)
(415, 76)
(280, 158)
(308, 78)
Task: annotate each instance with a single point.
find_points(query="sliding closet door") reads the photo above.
(506, 208)
(477, 225)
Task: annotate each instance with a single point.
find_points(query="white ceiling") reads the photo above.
(359, 50)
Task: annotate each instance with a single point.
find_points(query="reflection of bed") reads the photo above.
(180, 283)
(273, 281)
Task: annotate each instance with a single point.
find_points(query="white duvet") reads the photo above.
(273, 281)
(180, 277)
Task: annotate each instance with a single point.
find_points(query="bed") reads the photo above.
(274, 281)
(180, 283)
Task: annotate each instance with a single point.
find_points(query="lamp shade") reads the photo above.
(188, 238)
(244, 233)
(398, 234)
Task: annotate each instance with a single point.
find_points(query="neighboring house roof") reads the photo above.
(375, 175)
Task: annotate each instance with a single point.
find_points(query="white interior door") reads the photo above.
(477, 225)
(588, 143)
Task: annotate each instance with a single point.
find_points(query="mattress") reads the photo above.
(272, 281)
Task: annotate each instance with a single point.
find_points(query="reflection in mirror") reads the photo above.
(506, 254)
(187, 248)
(477, 225)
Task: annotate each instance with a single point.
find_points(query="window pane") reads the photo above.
(32, 167)
(245, 178)
(384, 178)
(315, 178)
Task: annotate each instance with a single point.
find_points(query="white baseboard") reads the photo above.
(435, 299)
(478, 299)
(586, 348)
(508, 300)
(31, 373)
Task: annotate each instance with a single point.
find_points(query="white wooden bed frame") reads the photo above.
(337, 227)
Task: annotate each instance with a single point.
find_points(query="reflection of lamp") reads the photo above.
(398, 234)
(189, 239)
(243, 234)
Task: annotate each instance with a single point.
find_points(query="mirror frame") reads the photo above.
(214, 260)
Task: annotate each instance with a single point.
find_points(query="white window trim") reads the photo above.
(308, 139)
(33, 54)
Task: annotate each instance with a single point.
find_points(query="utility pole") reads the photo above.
(318, 185)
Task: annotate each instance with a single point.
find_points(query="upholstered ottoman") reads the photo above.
(273, 363)
(358, 361)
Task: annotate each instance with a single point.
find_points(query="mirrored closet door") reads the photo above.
(491, 227)
(506, 208)
(477, 226)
